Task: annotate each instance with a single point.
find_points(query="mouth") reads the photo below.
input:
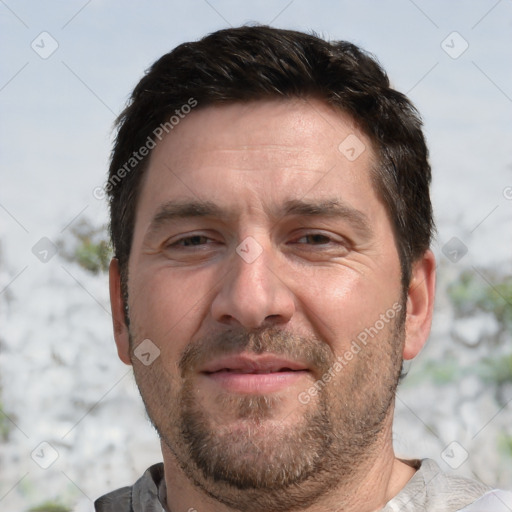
(252, 374)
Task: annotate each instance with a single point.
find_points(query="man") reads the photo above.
(271, 222)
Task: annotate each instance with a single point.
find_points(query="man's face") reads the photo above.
(261, 253)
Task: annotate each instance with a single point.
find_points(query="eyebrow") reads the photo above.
(333, 208)
(174, 210)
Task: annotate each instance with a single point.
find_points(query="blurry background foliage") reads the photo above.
(470, 293)
(5, 426)
(88, 246)
(50, 506)
(476, 292)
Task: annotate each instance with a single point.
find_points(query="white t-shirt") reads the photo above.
(432, 490)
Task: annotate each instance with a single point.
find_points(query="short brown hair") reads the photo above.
(260, 62)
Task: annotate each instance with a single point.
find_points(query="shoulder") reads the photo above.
(130, 499)
(492, 501)
(431, 489)
(115, 501)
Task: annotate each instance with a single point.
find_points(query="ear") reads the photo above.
(420, 304)
(121, 334)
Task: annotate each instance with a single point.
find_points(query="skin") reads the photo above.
(313, 282)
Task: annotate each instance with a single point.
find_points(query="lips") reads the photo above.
(253, 364)
(253, 374)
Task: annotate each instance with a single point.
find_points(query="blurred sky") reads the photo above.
(57, 112)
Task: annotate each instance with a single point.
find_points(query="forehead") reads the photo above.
(295, 143)
(272, 125)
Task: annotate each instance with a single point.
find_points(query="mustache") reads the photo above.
(310, 350)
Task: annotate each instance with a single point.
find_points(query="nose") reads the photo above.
(252, 293)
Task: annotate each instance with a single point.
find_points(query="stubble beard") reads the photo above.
(263, 463)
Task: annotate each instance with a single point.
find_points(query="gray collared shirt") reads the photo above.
(429, 490)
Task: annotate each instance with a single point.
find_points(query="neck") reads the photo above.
(377, 479)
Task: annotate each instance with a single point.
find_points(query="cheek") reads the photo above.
(166, 309)
(343, 303)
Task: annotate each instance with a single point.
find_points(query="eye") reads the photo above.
(191, 241)
(192, 248)
(314, 239)
(320, 245)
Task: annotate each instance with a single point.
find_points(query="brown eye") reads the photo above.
(320, 245)
(314, 239)
(192, 248)
(192, 241)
